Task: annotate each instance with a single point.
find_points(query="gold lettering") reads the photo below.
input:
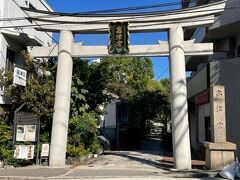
(119, 37)
(119, 30)
(119, 43)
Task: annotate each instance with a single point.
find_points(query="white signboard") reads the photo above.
(30, 132)
(45, 150)
(19, 76)
(26, 133)
(24, 152)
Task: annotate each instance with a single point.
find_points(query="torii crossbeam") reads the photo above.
(176, 48)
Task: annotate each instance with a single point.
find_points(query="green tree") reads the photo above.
(39, 98)
(148, 99)
(6, 135)
(39, 92)
(88, 87)
(149, 106)
(129, 75)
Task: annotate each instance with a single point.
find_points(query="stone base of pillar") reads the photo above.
(219, 154)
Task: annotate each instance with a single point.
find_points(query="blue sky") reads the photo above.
(160, 64)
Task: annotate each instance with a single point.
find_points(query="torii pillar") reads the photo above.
(179, 109)
(62, 100)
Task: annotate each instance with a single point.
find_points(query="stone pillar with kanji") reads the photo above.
(219, 152)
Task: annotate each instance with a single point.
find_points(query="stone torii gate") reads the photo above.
(176, 48)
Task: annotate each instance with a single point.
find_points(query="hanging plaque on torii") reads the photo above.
(118, 38)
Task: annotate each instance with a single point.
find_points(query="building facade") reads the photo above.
(221, 68)
(114, 124)
(14, 39)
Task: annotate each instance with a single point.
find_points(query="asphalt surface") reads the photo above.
(146, 163)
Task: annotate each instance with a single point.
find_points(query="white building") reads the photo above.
(222, 68)
(114, 124)
(14, 40)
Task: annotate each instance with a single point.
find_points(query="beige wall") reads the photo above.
(197, 83)
(227, 73)
(203, 111)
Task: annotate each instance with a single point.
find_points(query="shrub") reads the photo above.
(95, 147)
(73, 151)
(82, 135)
(6, 146)
(20, 162)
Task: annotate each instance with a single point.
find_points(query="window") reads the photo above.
(10, 60)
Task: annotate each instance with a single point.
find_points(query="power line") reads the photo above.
(102, 21)
(98, 11)
(165, 70)
(114, 15)
(51, 36)
(35, 22)
(118, 17)
(53, 14)
(26, 38)
(153, 14)
(134, 8)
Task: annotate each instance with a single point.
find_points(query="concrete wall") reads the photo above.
(223, 71)
(230, 15)
(9, 37)
(2, 54)
(203, 111)
(109, 122)
(238, 40)
(193, 87)
(227, 73)
(222, 45)
(197, 129)
(110, 115)
(11, 10)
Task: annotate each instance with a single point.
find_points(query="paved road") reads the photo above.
(145, 163)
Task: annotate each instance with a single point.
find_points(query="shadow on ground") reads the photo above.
(165, 162)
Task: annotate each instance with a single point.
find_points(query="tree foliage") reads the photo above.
(129, 75)
(39, 92)
(89, 84)
(83, 130)
(6, 135)
(130, 78)
(39, 98)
